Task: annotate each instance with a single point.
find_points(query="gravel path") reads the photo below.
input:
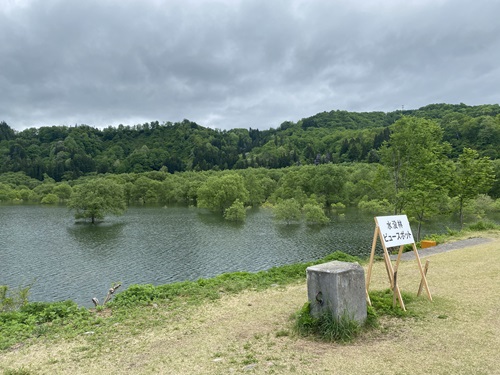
(442, 248)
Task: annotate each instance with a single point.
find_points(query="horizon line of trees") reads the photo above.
(67, 153)
(415, 176)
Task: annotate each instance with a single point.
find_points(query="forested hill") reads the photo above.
(64, 152)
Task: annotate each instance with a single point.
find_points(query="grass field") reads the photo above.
(251, 332)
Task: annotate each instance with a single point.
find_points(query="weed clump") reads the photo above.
(327, 327)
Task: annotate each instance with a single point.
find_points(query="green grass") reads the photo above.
(66, 319)
(229, 283)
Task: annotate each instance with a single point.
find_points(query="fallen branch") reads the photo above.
(111, 291)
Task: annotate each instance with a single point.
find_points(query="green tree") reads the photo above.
(218, 193)
(419, 168)
(6, 192)
(287, 210)
(472, 176)
(50, 199)
(96, 198)
(236, 212)
(63, 191)
(315, 214)
(145, 190)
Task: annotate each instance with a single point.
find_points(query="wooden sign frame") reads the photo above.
(396, 232)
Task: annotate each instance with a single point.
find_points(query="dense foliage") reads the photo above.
(66, 153)
(420, 165)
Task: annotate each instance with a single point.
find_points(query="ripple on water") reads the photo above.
(155, 245)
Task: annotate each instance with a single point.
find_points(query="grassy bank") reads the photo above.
(39, 320)
(242, 322)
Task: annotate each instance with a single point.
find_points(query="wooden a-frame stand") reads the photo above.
(393, 272)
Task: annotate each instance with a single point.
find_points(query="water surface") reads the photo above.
(43, 246)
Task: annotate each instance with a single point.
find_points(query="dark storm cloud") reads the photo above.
(252, 63)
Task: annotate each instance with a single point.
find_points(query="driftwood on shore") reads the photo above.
(111, 291)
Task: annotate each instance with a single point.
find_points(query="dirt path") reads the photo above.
(443, 248)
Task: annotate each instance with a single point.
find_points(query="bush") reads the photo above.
(236, 212)
(209, 289)
(37, 318)
(483, 226)
(50, 199)
(314, 214)
(375, 206)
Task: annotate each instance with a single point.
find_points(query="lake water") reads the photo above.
(43, 246)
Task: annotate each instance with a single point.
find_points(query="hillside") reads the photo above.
(65, 153)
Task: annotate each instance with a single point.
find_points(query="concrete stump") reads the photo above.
(338, 288)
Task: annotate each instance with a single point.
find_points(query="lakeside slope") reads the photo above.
(459, 333)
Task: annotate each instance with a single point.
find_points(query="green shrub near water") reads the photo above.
(481, 226)
(13, 299)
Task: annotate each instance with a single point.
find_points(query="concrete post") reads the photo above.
(338, 288)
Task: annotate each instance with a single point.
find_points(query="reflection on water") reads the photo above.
(95, 235)
(158, 245)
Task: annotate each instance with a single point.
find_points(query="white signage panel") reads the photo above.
(395, 230)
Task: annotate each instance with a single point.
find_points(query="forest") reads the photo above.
(65, 153)
(439, 159)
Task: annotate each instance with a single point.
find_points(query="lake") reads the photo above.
(43, 246)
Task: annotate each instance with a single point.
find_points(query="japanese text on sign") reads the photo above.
(395, 230)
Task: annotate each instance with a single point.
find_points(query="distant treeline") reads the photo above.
(67, 153)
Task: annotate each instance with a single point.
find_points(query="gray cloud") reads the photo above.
(240, 63)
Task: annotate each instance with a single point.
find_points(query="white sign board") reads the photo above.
(395, 230)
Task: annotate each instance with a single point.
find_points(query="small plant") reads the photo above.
(11, 300)
(327, 327)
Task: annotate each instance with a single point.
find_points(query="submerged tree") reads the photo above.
(96, 198)
(236, 212)
(219, 193)
(287, 210)
(315, 214)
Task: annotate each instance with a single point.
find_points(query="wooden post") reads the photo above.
(394, 291)
(422, 274)
(397, 291)
(426, 267)
(370, 265)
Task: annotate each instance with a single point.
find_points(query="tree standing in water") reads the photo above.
(96, 198)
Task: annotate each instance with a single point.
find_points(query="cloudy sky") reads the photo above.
(240, 63)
